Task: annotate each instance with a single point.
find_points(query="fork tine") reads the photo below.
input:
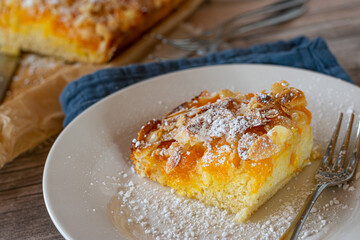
(344, 148)
(186, 43)
(352, 165)
(331, 147)
(273, 8)
(285, 16)
(328, 177)
(208, 38)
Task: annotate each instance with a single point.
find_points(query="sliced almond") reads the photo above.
(262, 148)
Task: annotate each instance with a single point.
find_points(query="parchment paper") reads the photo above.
(31, 112)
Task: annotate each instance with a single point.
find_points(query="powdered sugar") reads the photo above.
(244, 144)
(27, 3)
(150, 211)
(223, 119)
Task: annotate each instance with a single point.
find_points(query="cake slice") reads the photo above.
(78, 30)
(227, 149)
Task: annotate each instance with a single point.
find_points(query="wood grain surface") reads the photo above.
(23, 214)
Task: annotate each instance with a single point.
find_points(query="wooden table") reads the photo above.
(23, 214)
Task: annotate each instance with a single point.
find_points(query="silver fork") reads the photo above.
(331, 172)
(210, 40)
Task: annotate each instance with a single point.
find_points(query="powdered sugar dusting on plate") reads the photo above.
(319, 104)
(150, 211)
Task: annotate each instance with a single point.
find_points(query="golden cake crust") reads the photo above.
(80, 30)
(228, 149)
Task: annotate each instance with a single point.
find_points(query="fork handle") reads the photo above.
(293, 231)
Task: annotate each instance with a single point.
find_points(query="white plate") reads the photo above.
(87, 163)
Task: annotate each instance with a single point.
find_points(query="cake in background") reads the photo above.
(78, 30)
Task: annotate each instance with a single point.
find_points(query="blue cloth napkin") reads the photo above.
(299, 52)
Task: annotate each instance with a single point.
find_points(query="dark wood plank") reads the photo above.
(23, 214)
(335, 21)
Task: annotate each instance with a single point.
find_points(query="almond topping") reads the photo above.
(262, 148)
